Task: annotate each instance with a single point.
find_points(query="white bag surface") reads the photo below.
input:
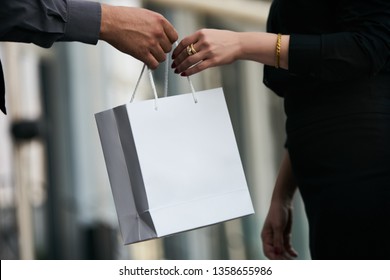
(174, 168)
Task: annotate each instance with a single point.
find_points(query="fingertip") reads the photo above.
(176, 51)
(277, 251)
(153, 65)
(168, 49)
(294, 253)
(161, 58)
(175, 37)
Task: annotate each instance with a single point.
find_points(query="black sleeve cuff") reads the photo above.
(83, 22)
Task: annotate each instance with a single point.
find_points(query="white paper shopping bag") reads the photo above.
(173, 164)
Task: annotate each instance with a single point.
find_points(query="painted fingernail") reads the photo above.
(173, 65)
(184, 74)
(176, 71)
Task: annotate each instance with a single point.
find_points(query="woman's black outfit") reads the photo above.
(337, 101)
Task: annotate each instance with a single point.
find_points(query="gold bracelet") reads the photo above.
(277, 50)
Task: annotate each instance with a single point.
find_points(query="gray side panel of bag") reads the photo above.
(132, 229)
(134, 168)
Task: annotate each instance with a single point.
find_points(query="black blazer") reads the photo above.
(333, 43)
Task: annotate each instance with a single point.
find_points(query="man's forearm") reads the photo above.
(44, 22)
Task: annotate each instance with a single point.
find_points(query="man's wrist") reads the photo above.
(105, 22)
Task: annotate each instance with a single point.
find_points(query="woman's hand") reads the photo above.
(212, 48)
(276, 233)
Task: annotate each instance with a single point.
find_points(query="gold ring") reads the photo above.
(193, 49)
(189, 51)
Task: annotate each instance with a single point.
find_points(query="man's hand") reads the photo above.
(141, 33)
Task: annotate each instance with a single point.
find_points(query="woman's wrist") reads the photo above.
(284, 196)
(285, 186)
(262, 47)
(284, 48)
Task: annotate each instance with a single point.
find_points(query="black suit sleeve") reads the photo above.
(43, 22)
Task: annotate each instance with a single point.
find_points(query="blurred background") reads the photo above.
(55, 197)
